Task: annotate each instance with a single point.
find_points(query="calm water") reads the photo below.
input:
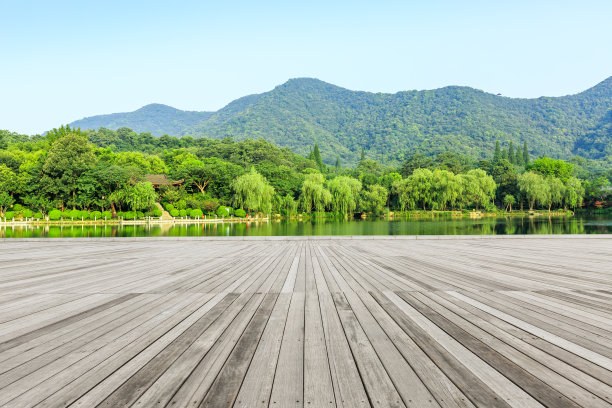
(431, 226)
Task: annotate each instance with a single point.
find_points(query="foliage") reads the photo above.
(223, 211)
(253, 192)
(240, 213)
(314, 195)
(388, 127)
(344, 191)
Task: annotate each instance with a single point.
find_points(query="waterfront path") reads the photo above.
(463, 322)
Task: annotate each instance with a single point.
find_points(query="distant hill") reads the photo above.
(155, 118)
(392, 126)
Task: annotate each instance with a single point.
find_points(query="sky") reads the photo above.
(65, 60)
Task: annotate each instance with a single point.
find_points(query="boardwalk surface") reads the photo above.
(306, 323)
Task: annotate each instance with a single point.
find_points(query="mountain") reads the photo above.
(391, 127)
(155, 118)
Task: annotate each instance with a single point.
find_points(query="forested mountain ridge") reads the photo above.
(155, 118)
(390, 127)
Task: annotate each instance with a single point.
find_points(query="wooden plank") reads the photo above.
(226, 386)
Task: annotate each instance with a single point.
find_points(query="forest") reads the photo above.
(93, 174)
(392, 127)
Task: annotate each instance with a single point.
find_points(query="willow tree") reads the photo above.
(314, 194)
(479, 187)
(446, 188)
(141, 196)
(556, 191)
(344, 191)
(415, 189)
(574, 193)
(253, 192)
(534, 187)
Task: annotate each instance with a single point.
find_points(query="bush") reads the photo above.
(66, 214)
(74, 214)
(183, 213)
(181, 204)
(27, 213)
(129, 215)
(84, 214)
(157, 213)
(55, 215)
(169, 207)
(140, 214)
(106, 215)
(9, 215)
(196, 213)
(240, 213)
(17, 208)
(38, 215)
(224, 211)
(174, 213)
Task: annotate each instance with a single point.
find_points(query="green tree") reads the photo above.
(316, 155)
(69, 157)
(525, 153)
(7, 179)
(574, 193)
(511, 157)
(415, 189)
(480, 187)
(534, 187)
(497, 153)
(141, 197)
(344, 191)
(548, 167)
(373, 199)
(253, 192)
(556, 191)
(518, 157)
(314, 195)
(5, 202)
(509, 200)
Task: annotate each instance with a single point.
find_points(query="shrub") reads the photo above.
(157, 213)
(9, 215)
(106, 215)
(224, 211)
(17, 208)
(55, 215)
(95, 215)
(140, 214)
(169, 207)
(183, 213)
(239, 212)
(181, 204)
(129, 215)
(27, 213)
(84, 214)
(196, 213)
(66, 214)
(174, 213)
(38, 215)
(75, 214)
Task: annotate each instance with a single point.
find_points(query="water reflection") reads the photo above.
(437, 226)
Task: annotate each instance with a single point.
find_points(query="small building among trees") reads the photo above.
(162, 180)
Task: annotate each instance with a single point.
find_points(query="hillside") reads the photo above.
(392, 126)
(155, 118)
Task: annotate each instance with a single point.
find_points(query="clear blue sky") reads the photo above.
(64, 60)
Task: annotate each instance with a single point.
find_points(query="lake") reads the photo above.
(423, 226)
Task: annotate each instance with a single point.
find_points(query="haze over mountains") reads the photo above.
(391, 127)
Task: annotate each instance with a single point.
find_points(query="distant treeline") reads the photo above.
(80, 173)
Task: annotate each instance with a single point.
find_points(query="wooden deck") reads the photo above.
(306, 323)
